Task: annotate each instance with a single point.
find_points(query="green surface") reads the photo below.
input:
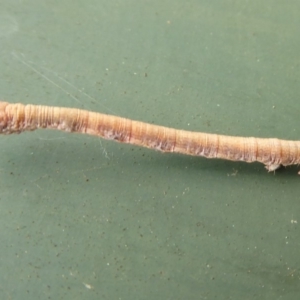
(84, 218)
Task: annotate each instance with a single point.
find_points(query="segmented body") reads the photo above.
(272, 152)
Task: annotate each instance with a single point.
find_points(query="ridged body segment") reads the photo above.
(16, 118)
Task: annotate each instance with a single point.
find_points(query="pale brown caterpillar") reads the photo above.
(272, 152)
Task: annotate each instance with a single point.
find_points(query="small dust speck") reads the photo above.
(88, 286)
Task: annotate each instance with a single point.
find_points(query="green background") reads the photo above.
(85, 218)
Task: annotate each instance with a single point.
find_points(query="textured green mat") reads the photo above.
(84, 218)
